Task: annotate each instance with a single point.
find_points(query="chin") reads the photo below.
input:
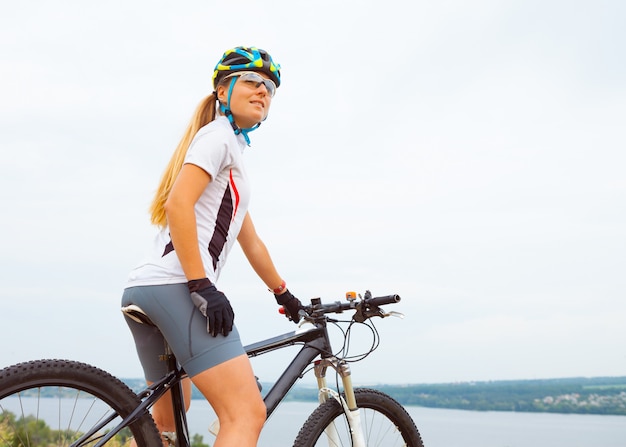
(257, 120)
(251, 121)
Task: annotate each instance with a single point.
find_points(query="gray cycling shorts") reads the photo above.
(182, 326)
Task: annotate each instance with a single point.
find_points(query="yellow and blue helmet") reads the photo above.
(246, 59)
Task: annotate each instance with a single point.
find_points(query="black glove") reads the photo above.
(291, 304)
(214, 305)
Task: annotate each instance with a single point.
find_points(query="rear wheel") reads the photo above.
(56, 402)
(384, 421)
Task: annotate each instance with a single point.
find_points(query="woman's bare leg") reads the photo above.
(232, 391)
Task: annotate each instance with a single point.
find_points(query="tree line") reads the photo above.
(604, 395)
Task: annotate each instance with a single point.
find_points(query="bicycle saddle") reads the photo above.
(137, 314)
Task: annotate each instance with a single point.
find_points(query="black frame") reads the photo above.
(315, 342)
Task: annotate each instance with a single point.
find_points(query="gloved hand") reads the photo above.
(214, 305)
(291, 304)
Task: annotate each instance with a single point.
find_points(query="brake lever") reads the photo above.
(305, 318)
(393, 313)
(360, 316)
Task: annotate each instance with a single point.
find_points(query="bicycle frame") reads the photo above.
(315, 343)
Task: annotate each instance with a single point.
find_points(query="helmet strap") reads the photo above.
(225, 109)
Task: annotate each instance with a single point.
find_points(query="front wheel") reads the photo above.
(59, 402)
(383, 420)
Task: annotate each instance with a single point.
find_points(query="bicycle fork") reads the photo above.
(348, 404)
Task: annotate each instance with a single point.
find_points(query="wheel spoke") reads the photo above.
(57, 402)
(383, 421)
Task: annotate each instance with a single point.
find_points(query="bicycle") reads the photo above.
(114, 413)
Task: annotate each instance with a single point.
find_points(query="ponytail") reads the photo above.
(204, 114)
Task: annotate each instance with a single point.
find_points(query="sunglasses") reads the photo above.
(253, 79)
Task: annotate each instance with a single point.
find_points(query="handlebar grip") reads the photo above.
(381, 300)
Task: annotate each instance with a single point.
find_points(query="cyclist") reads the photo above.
(201, 209)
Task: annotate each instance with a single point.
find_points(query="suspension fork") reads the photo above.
(348, 404)
(343, 369)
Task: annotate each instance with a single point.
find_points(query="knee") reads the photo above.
(262, 411)
(163, 419)
(252, 415)
(257, 413)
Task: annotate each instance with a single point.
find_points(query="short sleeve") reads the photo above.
(209, 151)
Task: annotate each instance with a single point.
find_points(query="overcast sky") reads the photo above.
(468, 156)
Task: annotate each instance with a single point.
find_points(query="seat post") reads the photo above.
(178, 400)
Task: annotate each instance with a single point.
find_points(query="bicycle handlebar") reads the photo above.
(365, 308)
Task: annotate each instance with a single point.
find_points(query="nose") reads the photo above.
(263, 88)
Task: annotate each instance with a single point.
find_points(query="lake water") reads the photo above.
(455, 428)
(444, 428)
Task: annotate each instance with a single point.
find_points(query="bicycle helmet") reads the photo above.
(246, 59)
(243, 59)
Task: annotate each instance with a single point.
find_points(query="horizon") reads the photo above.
(301, 382)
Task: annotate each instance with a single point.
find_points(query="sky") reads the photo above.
(468, 156)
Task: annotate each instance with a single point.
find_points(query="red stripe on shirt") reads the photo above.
(234, 186)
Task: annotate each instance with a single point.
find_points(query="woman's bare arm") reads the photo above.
(181, 218)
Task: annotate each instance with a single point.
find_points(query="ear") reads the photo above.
(222, 93)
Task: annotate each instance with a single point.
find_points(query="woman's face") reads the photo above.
(249, 102)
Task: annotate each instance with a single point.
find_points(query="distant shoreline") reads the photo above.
(581, 395)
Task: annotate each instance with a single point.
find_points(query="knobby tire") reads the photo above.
(384, 421)
(26, 390)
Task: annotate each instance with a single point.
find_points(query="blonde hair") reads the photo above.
(204, 114)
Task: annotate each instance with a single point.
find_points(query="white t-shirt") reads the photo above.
(220, 210)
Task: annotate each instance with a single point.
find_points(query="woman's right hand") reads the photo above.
(291, 304)
(214, 305)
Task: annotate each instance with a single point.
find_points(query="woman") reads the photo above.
(201, 206)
